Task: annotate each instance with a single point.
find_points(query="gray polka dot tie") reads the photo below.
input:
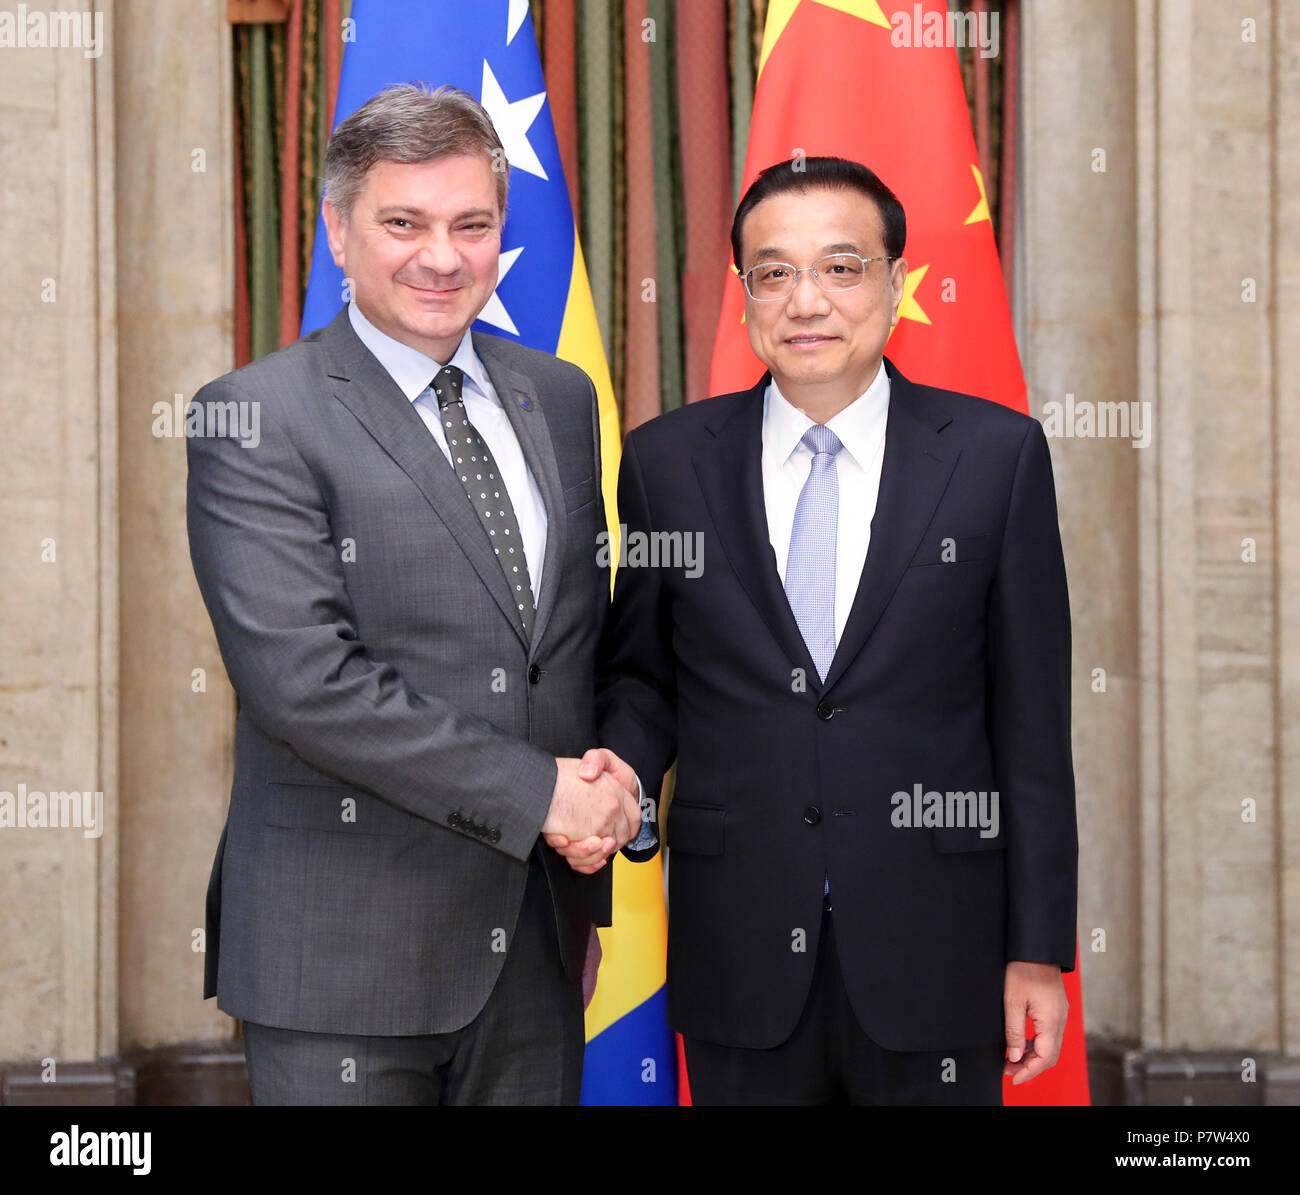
(486, 491)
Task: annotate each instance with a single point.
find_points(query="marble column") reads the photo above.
(59, 714)
(175, 241)
(1166, 274)
(1077, 306)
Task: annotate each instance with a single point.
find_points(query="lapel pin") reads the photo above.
(526, 402)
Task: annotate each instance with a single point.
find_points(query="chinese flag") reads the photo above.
(836, 79)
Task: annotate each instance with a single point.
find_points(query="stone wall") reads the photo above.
(1158, 266)
(1165, 274)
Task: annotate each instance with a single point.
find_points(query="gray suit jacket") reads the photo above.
(395, 740)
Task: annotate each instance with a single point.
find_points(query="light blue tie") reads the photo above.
(810, 566)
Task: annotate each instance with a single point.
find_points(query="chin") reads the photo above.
(810, 368)
(441, 326)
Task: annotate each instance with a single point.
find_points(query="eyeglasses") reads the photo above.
(771, 280)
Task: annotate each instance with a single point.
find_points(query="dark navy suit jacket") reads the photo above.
(952, 674)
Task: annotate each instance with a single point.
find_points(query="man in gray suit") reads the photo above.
(402, 576)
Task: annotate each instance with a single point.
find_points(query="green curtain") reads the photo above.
(260, 66)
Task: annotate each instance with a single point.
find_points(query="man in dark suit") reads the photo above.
(402, 577)
(865, 688)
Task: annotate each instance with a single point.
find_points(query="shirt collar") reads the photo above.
(412, 370)
(859, 426)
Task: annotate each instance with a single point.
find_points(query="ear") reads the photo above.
(335, 231)
(897, 276)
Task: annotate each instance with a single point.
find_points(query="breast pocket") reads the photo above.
(577, 496)
(951, 548)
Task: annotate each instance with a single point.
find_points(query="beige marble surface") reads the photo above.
(1134, 289)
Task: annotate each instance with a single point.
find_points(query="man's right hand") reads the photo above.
(588, 809)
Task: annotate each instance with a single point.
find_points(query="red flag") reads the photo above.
(836, 79)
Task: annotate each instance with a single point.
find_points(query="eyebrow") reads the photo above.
(771, 252)
(405, 210)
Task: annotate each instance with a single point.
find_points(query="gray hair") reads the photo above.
(408, 123)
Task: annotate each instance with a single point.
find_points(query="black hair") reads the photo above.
(832, 174)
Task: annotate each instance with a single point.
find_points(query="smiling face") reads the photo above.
(420, 248)
(823, 349)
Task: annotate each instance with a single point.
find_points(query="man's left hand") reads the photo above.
(1034, 990)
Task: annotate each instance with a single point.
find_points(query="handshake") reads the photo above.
(595, 809)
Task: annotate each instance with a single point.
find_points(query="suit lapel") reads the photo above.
(531, 430)
(914, 473)
(366, 389)
(730, 472)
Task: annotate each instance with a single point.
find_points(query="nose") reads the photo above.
(807, 298)
(437, 253)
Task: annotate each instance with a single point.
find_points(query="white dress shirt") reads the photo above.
(413, 372)
(787, 463)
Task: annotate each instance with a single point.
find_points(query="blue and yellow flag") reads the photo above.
(543, 300)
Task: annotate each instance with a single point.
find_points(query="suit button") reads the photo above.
(534, 674)
(812, 815)
(454, 820)
(494, 835)
(825, 711)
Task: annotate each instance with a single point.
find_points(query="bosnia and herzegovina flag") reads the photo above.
(841, 78)
(543, 300)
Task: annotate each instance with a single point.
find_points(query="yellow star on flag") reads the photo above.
(908, 307)
(981, 211)
(779, 13)
(734, 270)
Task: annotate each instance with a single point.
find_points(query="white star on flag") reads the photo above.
(512, 121)
(518, 10)
(494, 311)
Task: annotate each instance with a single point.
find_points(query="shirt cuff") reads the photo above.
(648, 836)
